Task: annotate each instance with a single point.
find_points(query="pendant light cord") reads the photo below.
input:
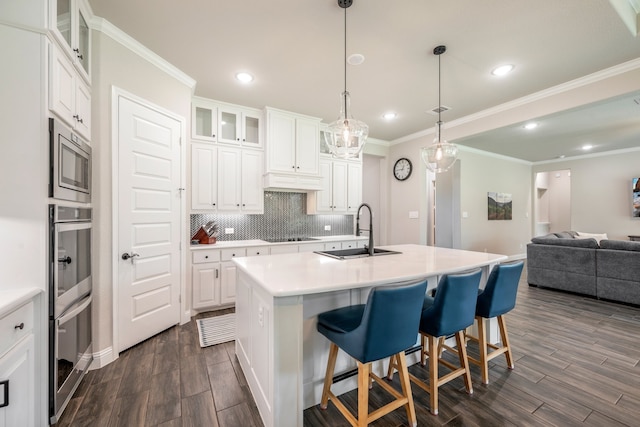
(439, 102)
(345, 65)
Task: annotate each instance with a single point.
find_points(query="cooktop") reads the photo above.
(289, 239)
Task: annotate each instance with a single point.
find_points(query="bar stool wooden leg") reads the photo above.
(505, 341)
(392, 366)
(464, 361)
(364, 369)
(482, 346)
(328, 378)
(403, 371)
(423, 345)
(433, 373)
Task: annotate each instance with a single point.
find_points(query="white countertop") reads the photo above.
(10, 299)
(257, 242)
(309, 273)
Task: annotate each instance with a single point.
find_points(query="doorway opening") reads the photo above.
(552, 202)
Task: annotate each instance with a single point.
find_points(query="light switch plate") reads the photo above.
(229, 231)
(327, 228)
(413, 214)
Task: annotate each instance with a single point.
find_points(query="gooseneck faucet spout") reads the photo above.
(370, 230)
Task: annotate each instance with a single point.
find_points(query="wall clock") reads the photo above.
(402, 169)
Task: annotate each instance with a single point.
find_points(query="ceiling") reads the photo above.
(295, 50)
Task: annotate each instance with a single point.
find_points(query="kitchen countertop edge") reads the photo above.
(10, 299)
(257, 242)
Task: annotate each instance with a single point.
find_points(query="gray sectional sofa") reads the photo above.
(608, 270)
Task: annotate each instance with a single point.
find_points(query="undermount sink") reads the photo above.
(356, 253)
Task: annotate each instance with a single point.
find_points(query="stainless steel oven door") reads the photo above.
(71, 264)
(72, 354)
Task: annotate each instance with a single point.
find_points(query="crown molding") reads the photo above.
(589, 156)
(107, 28)
(598, 76)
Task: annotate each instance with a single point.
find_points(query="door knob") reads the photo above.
(126, 256)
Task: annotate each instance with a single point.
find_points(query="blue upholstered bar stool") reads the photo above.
(496, 300)
(450, 312)
(386, 325)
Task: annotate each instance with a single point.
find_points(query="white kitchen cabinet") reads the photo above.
(292, 150)
(226, 179)
(238, 125)
(69, 95)
(354, 186)
(332, 199)
(284, 249)
(332, 246)
(215, 121)
(229, 179)
(204, 177)
(205, 278)
(17, 368)
(204, 120)
(68, 23)
(252, 192)
(228, 284)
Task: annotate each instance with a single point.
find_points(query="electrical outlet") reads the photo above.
(413, 214)
(327, 228)
(229, 231)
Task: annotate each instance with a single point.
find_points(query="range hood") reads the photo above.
(274, 181)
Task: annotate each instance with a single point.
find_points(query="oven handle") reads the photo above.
(74, 310)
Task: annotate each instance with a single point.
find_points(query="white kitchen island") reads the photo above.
(278, 298)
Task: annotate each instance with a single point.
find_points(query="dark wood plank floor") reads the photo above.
(577, 364)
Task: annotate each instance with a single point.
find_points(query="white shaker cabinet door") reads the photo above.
(17, 369)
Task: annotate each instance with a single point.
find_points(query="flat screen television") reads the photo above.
(635, 189)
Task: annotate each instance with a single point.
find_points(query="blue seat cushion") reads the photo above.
(343, 320)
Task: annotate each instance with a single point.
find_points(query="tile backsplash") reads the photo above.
(284, 216)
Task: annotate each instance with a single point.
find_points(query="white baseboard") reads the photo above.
(103, 358)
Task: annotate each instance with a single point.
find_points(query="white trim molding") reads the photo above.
(103, 358)
(589, 156)
(107, 28)
(598, 76)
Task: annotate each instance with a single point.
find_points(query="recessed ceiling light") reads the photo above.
(587, 147)
(244, 77)
(530, 126)
(389, 116)
(502, 70)
(561, 156)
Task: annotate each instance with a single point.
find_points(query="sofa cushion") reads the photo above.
(597, 236)
(576, 243)
(566, 234)
(623, 245)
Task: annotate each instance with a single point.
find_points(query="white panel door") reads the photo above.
(149, 222)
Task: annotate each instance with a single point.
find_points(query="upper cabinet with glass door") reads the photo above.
(226, 123)
(69, 26)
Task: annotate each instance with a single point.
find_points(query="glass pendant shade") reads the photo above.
(439, 156)
(347, 135)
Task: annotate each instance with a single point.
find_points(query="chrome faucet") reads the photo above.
(370, 230)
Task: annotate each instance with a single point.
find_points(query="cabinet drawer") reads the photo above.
(10, 331)
(206, 256)
(260, 250)
(227, 254)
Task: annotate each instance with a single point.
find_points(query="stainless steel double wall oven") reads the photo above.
(70, 286)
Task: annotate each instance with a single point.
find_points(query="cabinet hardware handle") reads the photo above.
(293, 167)
(297, 167)
(77, 117)
(243, 205)
(216, 273)
(244, 140)
(257, 253)
(238, 204)
(213, 136)
(5, 385)
(80, 120)
(20, 326)
(237, 139)
(206, 257)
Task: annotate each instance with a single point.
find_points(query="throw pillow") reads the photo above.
(596, 236)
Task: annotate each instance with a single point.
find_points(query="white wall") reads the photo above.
(559, 200)
(115, 65)
(24, 160)
(601, 192)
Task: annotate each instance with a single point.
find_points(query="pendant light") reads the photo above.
(347, 135)
(441, 155)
